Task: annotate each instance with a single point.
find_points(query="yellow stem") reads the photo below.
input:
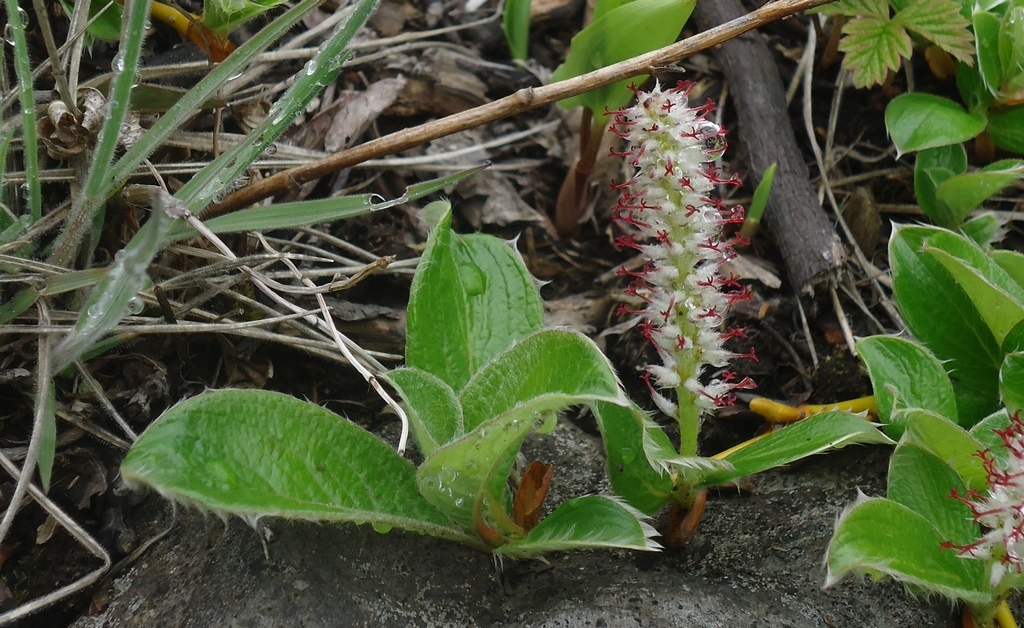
(190, 26)
(1004, 616)
(775, 412)
(172, 17)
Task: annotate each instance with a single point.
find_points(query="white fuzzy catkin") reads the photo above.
(670, 217)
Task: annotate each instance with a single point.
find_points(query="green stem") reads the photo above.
(688, 417)
(23, 68)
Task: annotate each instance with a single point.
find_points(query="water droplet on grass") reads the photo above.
(136, 305)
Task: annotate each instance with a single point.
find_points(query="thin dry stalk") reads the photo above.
(517, 103)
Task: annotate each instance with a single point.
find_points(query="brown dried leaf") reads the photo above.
(533, 488)
(862, 217)
(359, 111)
(62, 134)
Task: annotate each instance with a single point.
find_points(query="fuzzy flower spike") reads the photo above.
(670, 218)
(1001, 511)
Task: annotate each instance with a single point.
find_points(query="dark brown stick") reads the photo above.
(810, 248)
(517, 103)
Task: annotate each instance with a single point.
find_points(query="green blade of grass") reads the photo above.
(319, 71)
(126, 276)
(198, 95)
(289, 215)
(23, 68)
(89, 203)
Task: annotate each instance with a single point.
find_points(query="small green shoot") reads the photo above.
(758, 203)
(516, 23)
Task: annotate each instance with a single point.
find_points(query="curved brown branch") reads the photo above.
(514, 104)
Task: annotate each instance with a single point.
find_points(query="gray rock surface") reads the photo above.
(756, 562)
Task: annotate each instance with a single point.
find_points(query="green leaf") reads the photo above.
(971, 86)
(879, 536)
(984, 229)
(940, 22)
(1006, 128)
(933, 166)
(581, 523)
(516, 23)
(471, 297)
(549, 370)
(224, 16)
(874, 46)
(1014, 340)
(958, 196)
(633, 477)
(948, 441)
(990, 67)
(257, 453)
(985, 433)
(918, 121)
(1011, 37)
(814, 435)
(926, 181)
(626, 31)
(106, 25)
(468, 477)
(761, 193)
(1011, 381)
(601, 7)
(960, 338)
(921, 481)
(435, 415)
(854, 8)
(1000, 311)
(17, 304)
(1012, 262)
(905, 375)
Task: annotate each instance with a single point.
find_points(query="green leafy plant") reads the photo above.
(992, 88)
(981, 296)
(948, 524)
(45, 274)
(947, 193)
(481, 373)
(879, 34)
(619, 30)
(950, 404)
